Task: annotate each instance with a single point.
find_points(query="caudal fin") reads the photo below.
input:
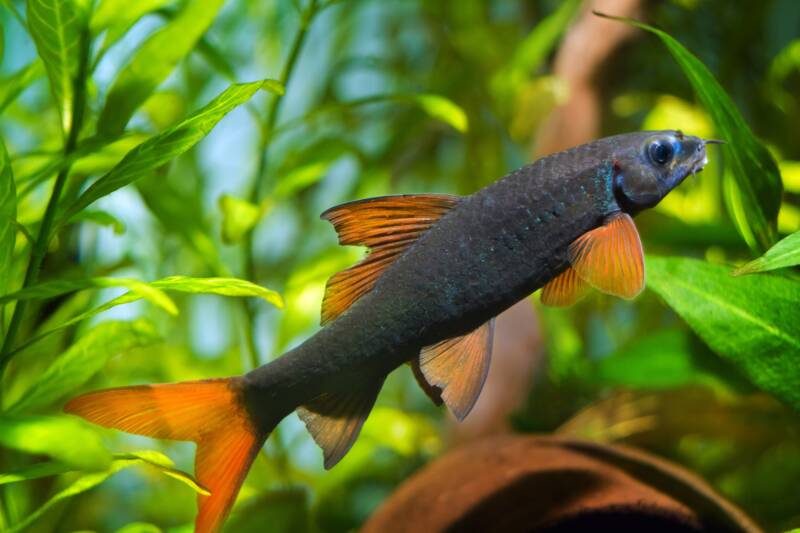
(211, 413)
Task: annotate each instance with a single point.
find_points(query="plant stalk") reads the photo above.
(43, 238)
(281, 455)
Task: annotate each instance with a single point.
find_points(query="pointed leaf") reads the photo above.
(89, 481)
(35, 471)
(784, 254)
(83, 360)
(101, 218)
(13, 85)
(52, 289)
(56, 27)
(443, 109)
(164, 465)
(753, 167)
(8, 216)
(750, 321)
(139, 527)
(238, 217)
(166, 146)
(66, 439)
(154, 61)
(116, 17)
(221, 286)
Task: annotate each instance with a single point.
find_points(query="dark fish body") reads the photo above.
(494, 248)
(439, 270)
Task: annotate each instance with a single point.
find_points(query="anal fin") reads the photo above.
(458, 367)
(335, 419)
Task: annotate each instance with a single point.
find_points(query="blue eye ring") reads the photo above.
(661, 151)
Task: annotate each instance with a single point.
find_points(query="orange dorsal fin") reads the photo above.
(335, 419)
(210, 413)
(564, 289)
(387, 225)
(610, 258)
(458, 367)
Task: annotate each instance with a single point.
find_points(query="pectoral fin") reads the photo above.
(458, 368)
(335, 419)
(610, 257)
(564, 289)
(387, 225)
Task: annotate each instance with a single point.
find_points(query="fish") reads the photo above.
(438, 270)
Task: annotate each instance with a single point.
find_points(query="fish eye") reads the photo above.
(661, 151)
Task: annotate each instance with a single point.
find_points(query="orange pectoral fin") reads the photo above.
(564, 289)
(610, 257)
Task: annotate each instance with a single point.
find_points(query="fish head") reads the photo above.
(653, 163)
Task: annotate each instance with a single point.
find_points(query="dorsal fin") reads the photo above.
(458, 367)
(387, 225)
(335, 419)
(610, 257)
(564, 289)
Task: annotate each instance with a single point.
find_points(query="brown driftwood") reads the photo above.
(532, 483)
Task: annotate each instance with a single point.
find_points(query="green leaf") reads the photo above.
(221, 286)
(750, 321)
(160, 149)
(79, 486)
(148, 457)
(533, 51)
(238, 217)
(139, 527)
(13, 85)
(784, 254)
(756, 175)
(118, 16)
(52, 289)
(8, 217)
(154, 61)
(83, 360)
(66, 439)
(56, 27)
(665, 359)
(301, 177)
(89, 481)
(35, 471)
(101, 218)
(443, 109)
(164, 465)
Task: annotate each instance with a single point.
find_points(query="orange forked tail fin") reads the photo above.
(211, 413)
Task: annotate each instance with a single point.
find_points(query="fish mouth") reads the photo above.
(700, 164)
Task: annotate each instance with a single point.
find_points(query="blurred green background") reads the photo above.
(380, 97)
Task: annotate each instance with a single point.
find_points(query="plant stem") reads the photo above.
(39, 249)
(266, 135)
(267, 129)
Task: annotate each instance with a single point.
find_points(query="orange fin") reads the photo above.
(458, 367)
(387, 225)
(610, 257)
(208, 412)
(433, 392)
(335, 419)
(564, 289)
